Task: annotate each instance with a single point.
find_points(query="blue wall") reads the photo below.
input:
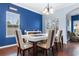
(73, 18)
(28, 20)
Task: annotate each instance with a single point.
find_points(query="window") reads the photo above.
(76, 26)
(12, 23)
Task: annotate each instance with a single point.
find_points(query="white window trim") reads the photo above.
(7, 36)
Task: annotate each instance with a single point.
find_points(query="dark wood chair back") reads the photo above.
(60, 35)
(17, 38)
(50, 38)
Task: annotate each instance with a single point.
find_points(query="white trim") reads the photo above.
(13, 8)
(7, 46)
(8, 36)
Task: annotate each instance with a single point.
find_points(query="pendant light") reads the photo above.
(48, 10)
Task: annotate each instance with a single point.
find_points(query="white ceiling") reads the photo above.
(38, 7)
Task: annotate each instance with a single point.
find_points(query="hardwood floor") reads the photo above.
(72, 49)
(11, 51)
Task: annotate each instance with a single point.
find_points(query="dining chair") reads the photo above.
(59, 39)
(49, 44)
(22, 44)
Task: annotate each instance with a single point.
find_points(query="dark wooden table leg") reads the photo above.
(34, 48)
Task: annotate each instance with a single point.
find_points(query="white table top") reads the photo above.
(35, 37)
(32, 32)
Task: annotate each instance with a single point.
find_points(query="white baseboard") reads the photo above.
(7, 46)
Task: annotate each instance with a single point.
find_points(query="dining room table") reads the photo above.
(35, 38)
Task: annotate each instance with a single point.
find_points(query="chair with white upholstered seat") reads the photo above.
(22, 44)
(49, 44)
(59, 39)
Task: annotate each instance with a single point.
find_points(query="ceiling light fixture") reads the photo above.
(48, 10)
